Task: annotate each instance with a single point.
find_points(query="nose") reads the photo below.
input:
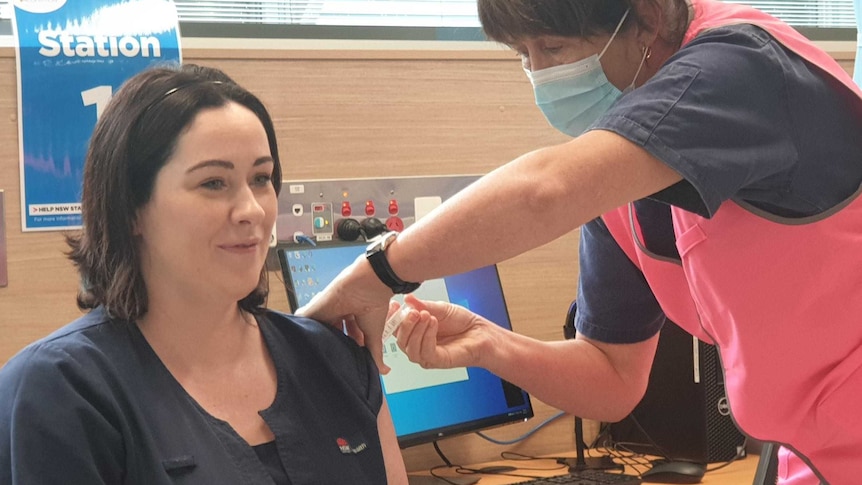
(248, 209)
(536, 60)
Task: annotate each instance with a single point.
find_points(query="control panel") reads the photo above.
(356, 210)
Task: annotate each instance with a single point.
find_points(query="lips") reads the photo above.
(244, 246)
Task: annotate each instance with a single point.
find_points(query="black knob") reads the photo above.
(372, 226)
(348, 229)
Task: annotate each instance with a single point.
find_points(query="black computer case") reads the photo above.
(684, 414)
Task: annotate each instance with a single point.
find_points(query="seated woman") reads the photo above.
(178, 373)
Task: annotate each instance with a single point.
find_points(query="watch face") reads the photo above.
(380, 242)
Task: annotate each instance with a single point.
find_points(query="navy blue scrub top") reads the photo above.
(740, 118)
(92, 403)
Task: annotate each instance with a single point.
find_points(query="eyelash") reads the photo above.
(212, 184)
(260, 180)
(549, 49)
(263, 179)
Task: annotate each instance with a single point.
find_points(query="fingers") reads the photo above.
(416, 303)
(353, 330)
(371, 324)
(393, 307)
(375, 346)
(318, 310)
(417, 337)
(365, 329)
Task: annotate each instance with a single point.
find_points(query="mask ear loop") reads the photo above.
(616, 31)
(647, 53)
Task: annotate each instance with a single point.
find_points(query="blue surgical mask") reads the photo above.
(573, 96)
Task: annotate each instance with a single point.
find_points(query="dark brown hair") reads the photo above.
(133, 139)
(508, 21)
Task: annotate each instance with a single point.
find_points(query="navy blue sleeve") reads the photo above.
(367, 373)
(371, 376)
(615, 304)
(53, 425)
(344, 357)
(717, 113)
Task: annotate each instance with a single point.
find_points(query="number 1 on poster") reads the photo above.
(100, 95)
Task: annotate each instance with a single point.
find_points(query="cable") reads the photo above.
(447, 464)
(663, 453)
(740, 452)
(433, 473)
(525, 435)
(302, 238)
(506, 455)
(441, 455)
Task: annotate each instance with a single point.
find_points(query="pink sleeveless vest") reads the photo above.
(781, 299)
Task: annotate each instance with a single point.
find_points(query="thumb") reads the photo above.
(438, 309)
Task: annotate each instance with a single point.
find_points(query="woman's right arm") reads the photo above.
(585, 377)
(53, 428)
(523, 204)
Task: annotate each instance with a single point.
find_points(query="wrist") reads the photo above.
(492, 339)
(376, 254)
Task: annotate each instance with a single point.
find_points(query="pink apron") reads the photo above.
(780, 298)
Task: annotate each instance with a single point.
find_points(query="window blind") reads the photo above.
(438, 13)
(809, 13)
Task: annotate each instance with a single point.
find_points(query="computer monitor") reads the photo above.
(426, 404)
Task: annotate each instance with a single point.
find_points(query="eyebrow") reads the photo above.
(226, 164)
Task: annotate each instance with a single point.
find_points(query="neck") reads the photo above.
(661, 52)
(189, 336)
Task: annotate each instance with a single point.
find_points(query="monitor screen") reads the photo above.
(426, 404)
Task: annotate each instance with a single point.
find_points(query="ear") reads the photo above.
(650, 21)
(136, 224)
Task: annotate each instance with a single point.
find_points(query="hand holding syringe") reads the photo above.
(395, 320)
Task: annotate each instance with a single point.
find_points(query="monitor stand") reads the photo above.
(582, 462)
(429, 480)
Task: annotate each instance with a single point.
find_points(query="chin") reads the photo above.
(241, 291)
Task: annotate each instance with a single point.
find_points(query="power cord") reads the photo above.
(740, 452)
(636, 460)
(525, 435)
(506, 455)
(447, 464)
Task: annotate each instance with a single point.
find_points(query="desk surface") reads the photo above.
(740, 472)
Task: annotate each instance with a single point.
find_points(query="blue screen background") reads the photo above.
(422, 414)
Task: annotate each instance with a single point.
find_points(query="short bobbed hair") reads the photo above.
(133, 139)
(511, 21)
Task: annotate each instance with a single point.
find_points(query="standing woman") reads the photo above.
(715, 175)
(178, 373)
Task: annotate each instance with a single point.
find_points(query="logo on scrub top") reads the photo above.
(344, 447)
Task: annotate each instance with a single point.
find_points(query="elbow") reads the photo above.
(627, 397)
(546, 185)
(545, 196)
(618, 411)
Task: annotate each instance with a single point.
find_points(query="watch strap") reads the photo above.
(380, 264)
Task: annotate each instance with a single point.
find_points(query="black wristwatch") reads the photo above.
(376, 255)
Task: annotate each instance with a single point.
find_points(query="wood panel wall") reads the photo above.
(346, 114)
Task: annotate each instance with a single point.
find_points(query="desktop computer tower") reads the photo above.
(684, 413)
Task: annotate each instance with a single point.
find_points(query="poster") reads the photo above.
(72, 56)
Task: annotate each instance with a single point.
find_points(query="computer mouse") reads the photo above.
(674, 472)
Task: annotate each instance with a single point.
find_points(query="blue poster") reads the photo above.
(72, 56)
